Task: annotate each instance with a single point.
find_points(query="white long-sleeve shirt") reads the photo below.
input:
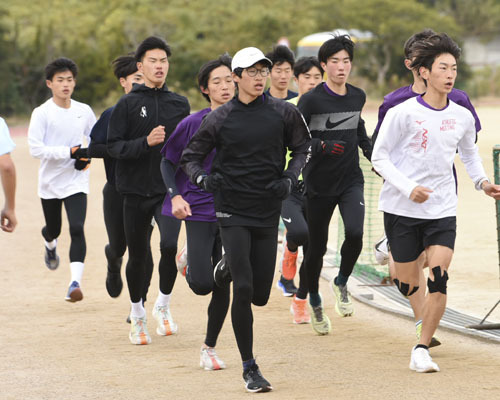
(52, 132)
(6, 143)
(416, 146)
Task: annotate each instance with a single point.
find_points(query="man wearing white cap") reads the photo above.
(251, 133)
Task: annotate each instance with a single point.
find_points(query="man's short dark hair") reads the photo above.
(151, 43)
(60, 65)
(417, 37)
(124, 66)
(304, 64)
(207, 68)
(425, 52)
(334, 45)
(281, 54)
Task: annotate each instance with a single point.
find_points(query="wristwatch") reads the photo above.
(200, 179)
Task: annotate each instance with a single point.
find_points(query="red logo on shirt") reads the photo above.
(424, 139)
(448, 125)
(419, 140)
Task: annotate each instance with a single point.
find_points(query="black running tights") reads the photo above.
(113, 219)
(204, 251)
(76, 210)
(251, 255)
(319, 212)
(293, 215)
(137, 214)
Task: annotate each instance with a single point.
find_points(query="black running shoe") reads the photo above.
(51, 259)
(114, 283)
(222, 275)
(254, 381)
(287, 287)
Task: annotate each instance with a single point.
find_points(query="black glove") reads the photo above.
(82, 164)
(210, 183)
(333, 147)
(79, 152)
(280, 188)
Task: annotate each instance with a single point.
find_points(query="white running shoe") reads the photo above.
(381, 251)
(139, 331)
(421, 361)
(166, 324)
(209, 359)
(181, 260)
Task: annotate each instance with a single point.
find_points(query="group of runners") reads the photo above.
(232, 169)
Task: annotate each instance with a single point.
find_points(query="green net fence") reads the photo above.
(496, 152)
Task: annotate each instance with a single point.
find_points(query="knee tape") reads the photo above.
(404, 288)
(439, 283)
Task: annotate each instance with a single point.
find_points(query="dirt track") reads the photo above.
(52, 349)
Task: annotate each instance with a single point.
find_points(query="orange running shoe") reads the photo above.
(288, 263)
(300, 312)
(181, 260)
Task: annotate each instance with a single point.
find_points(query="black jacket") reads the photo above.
(251, 142)
(98, 147)
(134, 117)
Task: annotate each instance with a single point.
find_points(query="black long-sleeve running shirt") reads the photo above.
(251, 141)
(132, 120)
(334, 117)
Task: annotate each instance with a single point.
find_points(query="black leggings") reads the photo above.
(293, 215)
(113, 219)
(319, 213)
(137, 214)
(251, 256)
(204, 251)
(76, 210)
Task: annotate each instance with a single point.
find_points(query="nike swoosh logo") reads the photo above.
(287, 220)
(377, 245)
(331, 125)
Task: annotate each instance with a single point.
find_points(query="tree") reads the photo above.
(391, 22)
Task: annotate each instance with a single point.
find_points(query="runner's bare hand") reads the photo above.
(8, 220)
(180, 207)
(156, 136)
(491, 190)
(420, 194)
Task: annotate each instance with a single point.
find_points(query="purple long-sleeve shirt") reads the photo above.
(404, 93)
(201, 202)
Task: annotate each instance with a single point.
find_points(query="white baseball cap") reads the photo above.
(247, 57)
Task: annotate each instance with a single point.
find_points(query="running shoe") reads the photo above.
(166, 325)
(300, 312)
(343, 304)
(421, 361)
(181, 260)
(381, 251)
(286, 286)
(320, 322)
(222, 275)
(74, 292)
(434, 341)
(288, 263)
(254, 381)
(209, 360)
(51, 259)
(114, 283)
(139, 331)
